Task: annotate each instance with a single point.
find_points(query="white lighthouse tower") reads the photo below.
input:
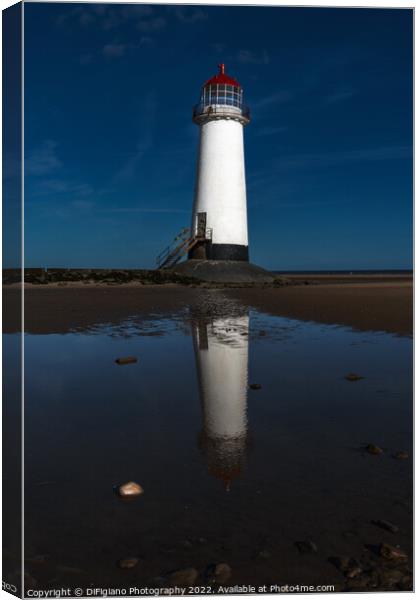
(219, 219)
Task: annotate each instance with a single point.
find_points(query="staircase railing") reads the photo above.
(182, 244)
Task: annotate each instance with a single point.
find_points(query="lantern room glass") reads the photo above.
(221, 94)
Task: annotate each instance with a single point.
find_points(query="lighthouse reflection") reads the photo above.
(221, 351)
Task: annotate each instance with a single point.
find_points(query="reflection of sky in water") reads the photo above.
(290, 452)
(301, 367)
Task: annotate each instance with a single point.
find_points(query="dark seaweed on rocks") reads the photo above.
(41, 276)
(107, 276)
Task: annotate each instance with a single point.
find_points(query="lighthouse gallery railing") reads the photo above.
(223, 109)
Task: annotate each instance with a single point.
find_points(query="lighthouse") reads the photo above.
(221, 351)
(219, 217)
(216, 244)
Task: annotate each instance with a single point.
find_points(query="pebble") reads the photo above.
(219, 573)
(401, 455)
(350, 567)
(126, 360)
(386, 525)
(128, 563)
(307, 547)
(354, 377)
(392, 552)
(255, 386)
(354, 572)
(372, 449)
(184, 577)
(130, 489)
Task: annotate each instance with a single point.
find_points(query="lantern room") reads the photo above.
(221, 97)
(222, 89)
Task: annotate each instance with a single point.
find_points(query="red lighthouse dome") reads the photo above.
(222, 79)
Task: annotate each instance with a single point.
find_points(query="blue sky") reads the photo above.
(110, 147)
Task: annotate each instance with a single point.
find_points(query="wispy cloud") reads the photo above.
(86, 59)
(46, 175)
(144, 209)
(128, 170)
(60, 186)
(248, 57)
(190, 15)
(329, 159)
(340, 95)
(151, 25)
(218, 46)
(280, 97)
(42, 160)
(145, 141)
(270, 130)
(105, 17)
(114, 50)
(63, 186)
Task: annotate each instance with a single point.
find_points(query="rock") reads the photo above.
(306, 547)
(390, 577)
(392, 552)
(255, 386)
(350, 567)
(128, 563)
(127, 360)
(372, 449)
(219, 573)
(130, 489)
(386, 525)
(354, 377)
(354, 572)
(222, 572)
(401, 455)
(183, 578)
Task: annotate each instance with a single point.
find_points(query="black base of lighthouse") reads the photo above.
(209, 251)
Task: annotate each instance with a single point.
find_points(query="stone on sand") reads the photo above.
(392, 552)
(126, 360)
(183, 577)
(128, 563)
(372, 449)
(130, 489)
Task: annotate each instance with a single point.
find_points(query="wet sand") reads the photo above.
(376, 303)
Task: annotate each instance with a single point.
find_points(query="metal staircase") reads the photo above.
(182, 244)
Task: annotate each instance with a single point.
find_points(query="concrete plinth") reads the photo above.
(224, 271)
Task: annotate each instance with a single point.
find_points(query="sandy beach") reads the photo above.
(367, 302)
